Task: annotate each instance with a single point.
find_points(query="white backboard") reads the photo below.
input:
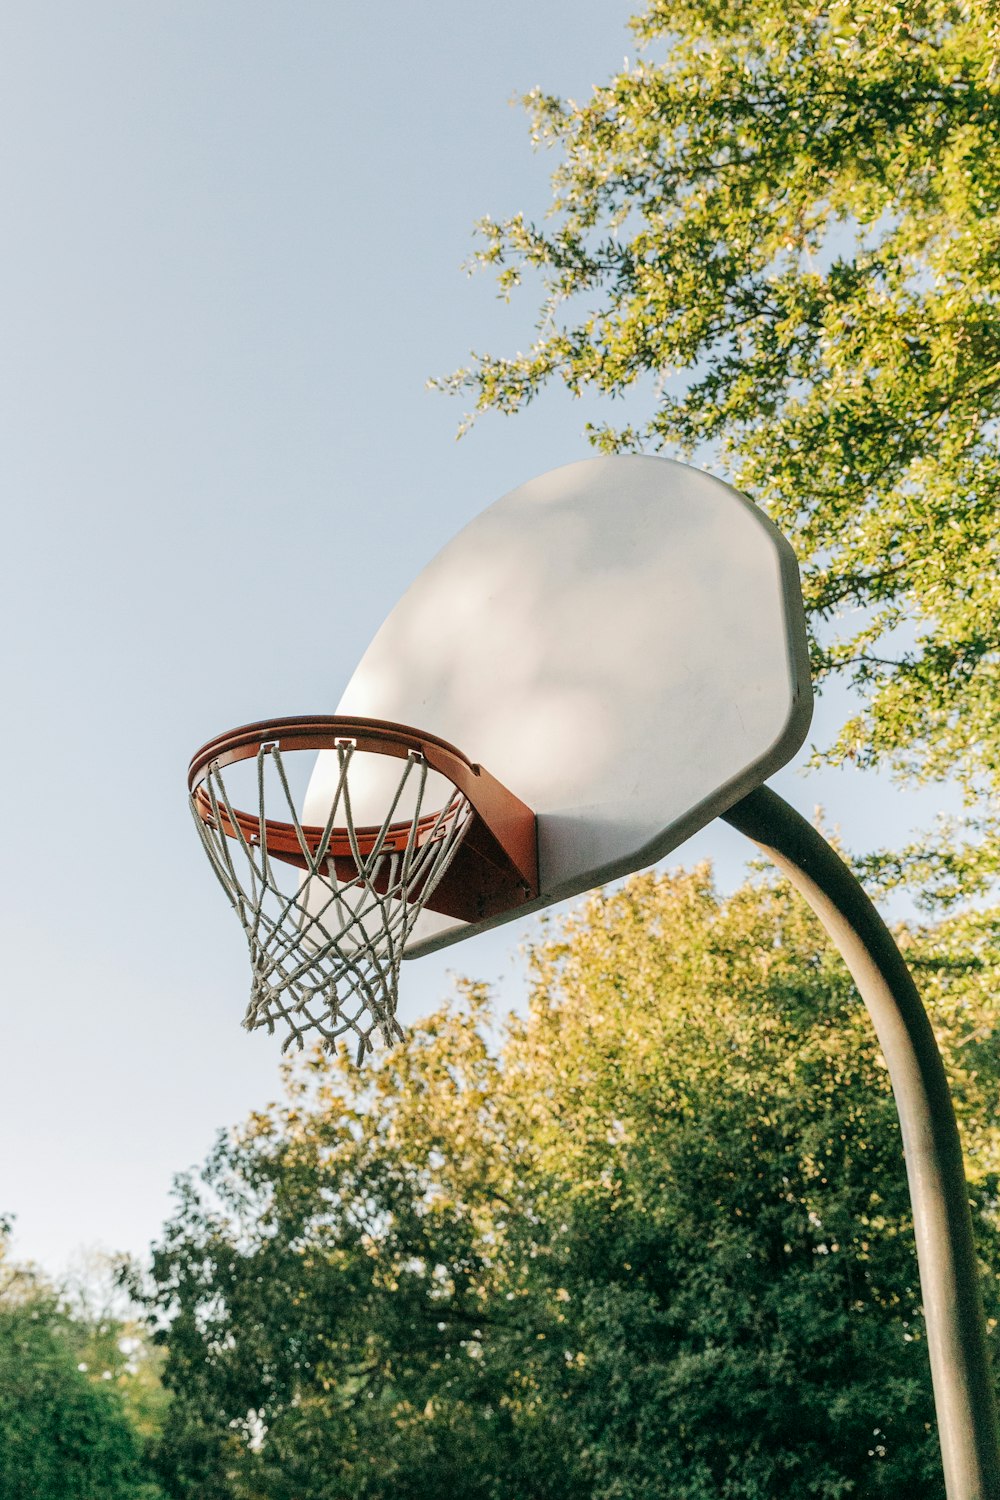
(621, 642)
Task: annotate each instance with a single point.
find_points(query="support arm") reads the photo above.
(949, 1278)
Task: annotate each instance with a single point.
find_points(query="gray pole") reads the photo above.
(949, 1276)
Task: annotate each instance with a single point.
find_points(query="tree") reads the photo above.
(780, 230)
(654, 1241)
(111, 1342)
(63, 1435)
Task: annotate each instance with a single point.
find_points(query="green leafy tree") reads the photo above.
(779, 231)
(111, 1340)
(653, 1241)
(63, 1434)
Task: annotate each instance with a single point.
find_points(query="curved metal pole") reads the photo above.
(949, 1276)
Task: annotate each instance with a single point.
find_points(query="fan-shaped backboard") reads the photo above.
(621, 642)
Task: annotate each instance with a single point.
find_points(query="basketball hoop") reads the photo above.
(327, 909)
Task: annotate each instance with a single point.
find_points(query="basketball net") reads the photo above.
(326, 948)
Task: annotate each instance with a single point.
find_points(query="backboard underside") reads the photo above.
(620, 642)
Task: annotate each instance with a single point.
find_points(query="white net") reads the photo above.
(326, 949)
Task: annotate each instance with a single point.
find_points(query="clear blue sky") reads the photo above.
(232, 256)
